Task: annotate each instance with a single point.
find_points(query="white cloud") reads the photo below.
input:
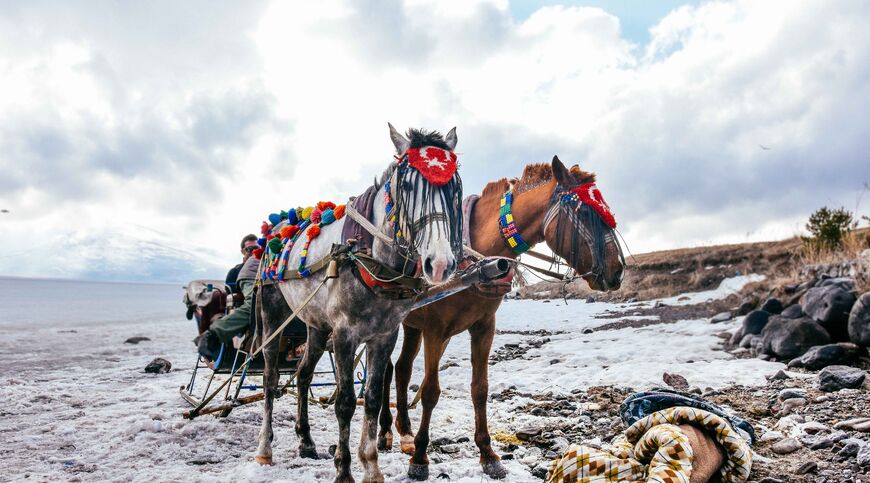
(199, 129)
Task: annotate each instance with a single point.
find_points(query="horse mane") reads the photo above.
(420, 138)
(533, 176)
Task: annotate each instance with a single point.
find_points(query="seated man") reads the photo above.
(235, 324)
(249, 243)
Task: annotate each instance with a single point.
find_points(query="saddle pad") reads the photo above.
(352, 230)
(467, 206)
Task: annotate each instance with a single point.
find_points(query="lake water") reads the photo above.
(30, 303)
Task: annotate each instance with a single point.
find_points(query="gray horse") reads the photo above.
(425, 227)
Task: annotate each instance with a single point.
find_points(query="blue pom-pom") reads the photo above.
(261, 242)
(327, 217)
(274, 219)
(291, 217)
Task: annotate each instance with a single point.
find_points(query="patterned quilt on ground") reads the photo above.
(654, 449)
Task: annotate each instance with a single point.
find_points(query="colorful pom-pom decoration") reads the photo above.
(258, 253)
(274, 219)
(261, 241)
(275, 245)
(313, 231)
(339, 212)
(264, 229)
(306, 213)
(288, 231)
(291, 217)
(315, 215)
(325, 205)
(327, 217)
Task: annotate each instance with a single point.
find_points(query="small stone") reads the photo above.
(587, 330)
(835, 378)
(755, 322)
(676, 381)
(817, 442)
(856, 424)
(746, 341)
(814, 427)
(555, 361)
(771, 436)
(527, 433)
(414, 387)
(843, 353)
(789, 405)
(590, 300)
(136, 340)
(786, 446)
(695, 390)
(808, 467)
(158, 366)
(792, 393)
(864, 456)
(721, 317)
(779, 376)
(850, 448)
(770, 480)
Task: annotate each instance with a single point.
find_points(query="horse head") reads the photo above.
(584, 229)
(424, 197)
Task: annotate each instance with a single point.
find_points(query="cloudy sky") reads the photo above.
(184, 123)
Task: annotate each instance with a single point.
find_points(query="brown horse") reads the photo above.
(578, 235)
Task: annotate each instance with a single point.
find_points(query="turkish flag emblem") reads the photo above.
(435, 164)
(589, 194)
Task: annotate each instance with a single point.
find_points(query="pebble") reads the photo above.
(786, 446)
(864, 456)
(850, 448)
(814, 427)
(789, 405)
(779, 376)
(835, 378)
(721, 317)
(770, 480)
(808, 467)
(771, 436)
(817, 442)
(857, 424)
(792, 393)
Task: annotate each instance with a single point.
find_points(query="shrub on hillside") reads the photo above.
(828, 228)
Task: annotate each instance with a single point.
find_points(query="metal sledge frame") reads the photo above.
(234, 400)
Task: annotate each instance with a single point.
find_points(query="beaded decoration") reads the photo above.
(589, 194)
(509, 230)
(278, 242)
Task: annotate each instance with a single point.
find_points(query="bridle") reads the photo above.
(567, 202)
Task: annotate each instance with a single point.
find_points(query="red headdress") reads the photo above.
(589, 194)
(435, 164)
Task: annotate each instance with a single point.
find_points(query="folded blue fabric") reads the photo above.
(642, 404)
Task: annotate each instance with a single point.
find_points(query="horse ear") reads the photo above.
(400, 142)
(561, 173)
(450, 140)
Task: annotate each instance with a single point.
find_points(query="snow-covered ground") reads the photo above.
(77, 406)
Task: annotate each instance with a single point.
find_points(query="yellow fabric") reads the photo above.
(654, 450)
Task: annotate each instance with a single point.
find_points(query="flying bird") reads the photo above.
(4, 210)
(764, 147)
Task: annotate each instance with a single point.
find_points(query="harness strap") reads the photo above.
(366, 224)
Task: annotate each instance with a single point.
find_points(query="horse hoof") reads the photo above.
(385, 442)
(407, 443)
(310, 453)
(418, 472)
(263, 460)
(494, 469)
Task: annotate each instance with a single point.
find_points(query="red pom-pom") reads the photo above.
(338, 211)
(316, 214)
(258, 253)
(325, 205)
(265, 228)
(288, 231)
(269, 237)
(313, 231)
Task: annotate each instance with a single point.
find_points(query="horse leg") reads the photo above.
(344, 348)
(385, 436)
(433, 347)
(270, 388)
(404, 368)
(378, 355)
(481, 342)
(315, 345)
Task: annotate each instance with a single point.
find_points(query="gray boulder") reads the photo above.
(830, 306)
(790, 338)
(772, 306)
(793, 312)
(859, 321)
(755, 321)
(834, 378)
(842, 353)
(845, 283)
